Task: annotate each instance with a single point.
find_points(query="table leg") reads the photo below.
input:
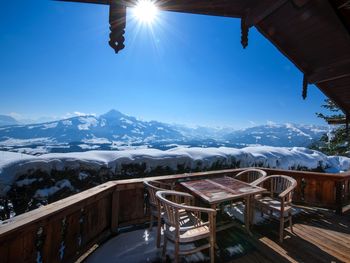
(213, 206)
(252, 210)
(247, 214)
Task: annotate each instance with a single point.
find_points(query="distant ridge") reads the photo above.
(6, 120)
(115, 130)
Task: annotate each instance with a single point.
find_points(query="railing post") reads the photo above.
(115, 211)
(339, 197)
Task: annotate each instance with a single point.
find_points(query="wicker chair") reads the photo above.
(251, 176)
(186, 227)
(155, 209)
(278, 199)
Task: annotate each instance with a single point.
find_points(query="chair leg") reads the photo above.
(291, 223)
(176, 251)
(150, 222)
(159, 226)
(164, 248)
(212, 250)
(281, 228)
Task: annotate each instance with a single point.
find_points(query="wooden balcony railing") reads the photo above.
(330, 191)
(65, 230)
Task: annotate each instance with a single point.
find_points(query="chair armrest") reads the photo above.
(261, 181)
(285, 192)
(240, 173)
(258, 181)
(199, 209)
(288, 190)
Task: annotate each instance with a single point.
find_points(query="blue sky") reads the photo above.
(190, 69)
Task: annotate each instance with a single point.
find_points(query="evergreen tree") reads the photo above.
(336, 141)
(333, 108)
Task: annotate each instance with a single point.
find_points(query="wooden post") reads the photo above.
(347, 126)
(115, 211)
(339, 197)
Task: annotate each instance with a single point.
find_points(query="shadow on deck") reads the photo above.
(319, 236)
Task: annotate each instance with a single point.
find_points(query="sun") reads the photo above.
(145, 11)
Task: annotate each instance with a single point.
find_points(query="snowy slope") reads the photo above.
(12, 165)
(285, 135)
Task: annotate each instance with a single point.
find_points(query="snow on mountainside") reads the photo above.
(86, 132)
(285, 135)
(7, 120)
(117, 131)
(14, 165)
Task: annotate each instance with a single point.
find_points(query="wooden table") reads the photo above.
(217, 190)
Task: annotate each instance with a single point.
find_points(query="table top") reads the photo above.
(221, 189)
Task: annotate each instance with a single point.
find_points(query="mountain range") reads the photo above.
(115, 130)
(6, 120)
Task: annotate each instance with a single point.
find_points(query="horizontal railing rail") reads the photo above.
(65, 230)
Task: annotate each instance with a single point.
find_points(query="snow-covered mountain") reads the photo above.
(277, 135)
(89, 132)
(6, 120)
(115, 130)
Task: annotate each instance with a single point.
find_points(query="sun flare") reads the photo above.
(145, 11)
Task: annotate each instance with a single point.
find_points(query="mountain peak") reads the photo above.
(112, 114)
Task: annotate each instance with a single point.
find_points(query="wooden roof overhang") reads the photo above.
(313, 34)
(337, 121)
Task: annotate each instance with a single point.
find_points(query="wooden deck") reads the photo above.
(67, 229)
(319, 236)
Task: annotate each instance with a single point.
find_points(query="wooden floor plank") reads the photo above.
(320, 236)
(331, 250)
(333, 239)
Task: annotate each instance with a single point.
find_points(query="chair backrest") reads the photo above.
(152, 187)
(170, 208)
(278, 184)
(251, 175)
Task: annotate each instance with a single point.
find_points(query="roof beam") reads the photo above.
(205, 7)
(101, 2)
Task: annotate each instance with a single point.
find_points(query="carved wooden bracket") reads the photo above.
(257, 14)
(244, 32)
(117, 22)
(305, 84)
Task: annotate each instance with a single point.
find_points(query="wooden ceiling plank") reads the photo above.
(261, 11)
(328, 75)
(340, 69)
(300, 3)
